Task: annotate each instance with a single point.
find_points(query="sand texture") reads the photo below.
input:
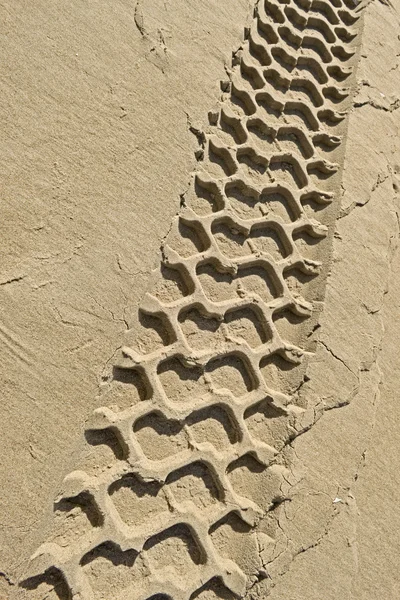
(200, 313)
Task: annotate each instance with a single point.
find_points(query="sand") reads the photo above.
(199, 298)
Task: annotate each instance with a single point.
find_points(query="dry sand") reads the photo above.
(217, 419)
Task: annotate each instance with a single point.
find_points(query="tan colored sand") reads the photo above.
(97, 105)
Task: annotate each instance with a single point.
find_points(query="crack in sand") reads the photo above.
(7, 578)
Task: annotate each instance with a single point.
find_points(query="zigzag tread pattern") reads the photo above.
(188, 467)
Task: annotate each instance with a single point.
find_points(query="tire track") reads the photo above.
(188, 470)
